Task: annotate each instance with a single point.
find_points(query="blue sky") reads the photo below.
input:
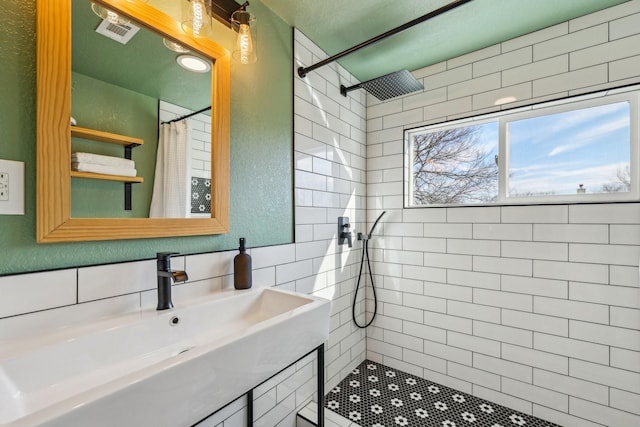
(558, 152)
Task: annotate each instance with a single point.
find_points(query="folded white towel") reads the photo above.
(99, 159)
(103, 169)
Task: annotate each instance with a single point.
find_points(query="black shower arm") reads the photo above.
(302, 71)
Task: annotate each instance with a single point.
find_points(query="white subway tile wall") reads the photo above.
(539, 306)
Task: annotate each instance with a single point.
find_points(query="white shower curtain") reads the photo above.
(172, 185)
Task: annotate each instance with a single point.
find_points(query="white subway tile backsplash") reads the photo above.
(505, 334)
(577, 349)
(605, 294)
(503, 367)
(473, 56)
(422, 99)
(536, 70)
(473, 215)
(543, 396)
(603, 53)
(571, 386)
(575, 233)
(453, 231)
(535, 286)
(536, 322)
(574, 41)
(474, 86)
(629, 402)
(503, 61)
(449, 77)
(536, 250)
(604, 254)
(451, 107)
(536, 358)
(424, 244)
(424, 331)
(451, 323)
(110, 280)
(448, 291)
(424, 273)
(503, 231)
(561, 83)
(593, 273)
(625, 317)
(536, 37)
(602, 414)
(616, 213)
(474, 279)
(598, 313)
(476, 376)
(607, 335)
(27, 293)
(601, 374)
(424, 360)
(474, 344)
(453, 261)
(403, 340)
(424, 302)
(625, 359)
(624, 69)
(511, 266)
(493, 98)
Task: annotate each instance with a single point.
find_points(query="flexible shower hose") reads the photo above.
(365, 253)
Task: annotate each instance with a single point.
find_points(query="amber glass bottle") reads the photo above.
(242, 268)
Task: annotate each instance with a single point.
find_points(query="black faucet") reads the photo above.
(165, 277)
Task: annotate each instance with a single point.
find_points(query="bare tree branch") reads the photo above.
(450, 167)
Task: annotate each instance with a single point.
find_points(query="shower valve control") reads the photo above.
(344, 232)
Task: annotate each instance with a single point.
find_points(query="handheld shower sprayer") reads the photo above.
(365, 252)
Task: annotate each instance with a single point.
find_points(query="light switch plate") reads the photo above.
(11, 187)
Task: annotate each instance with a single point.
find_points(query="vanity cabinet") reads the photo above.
(127, 142)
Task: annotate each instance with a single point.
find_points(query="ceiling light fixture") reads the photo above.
(193, 63)
(176, 47)
(197, 21)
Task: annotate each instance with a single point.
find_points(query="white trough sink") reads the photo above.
(169, 368)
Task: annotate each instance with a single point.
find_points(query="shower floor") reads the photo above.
(374, 395)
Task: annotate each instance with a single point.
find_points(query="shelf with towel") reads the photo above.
(111, 138)
(91, 175)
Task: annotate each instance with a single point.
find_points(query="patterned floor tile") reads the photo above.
(374, 395)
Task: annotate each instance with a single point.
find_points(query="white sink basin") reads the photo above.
(150, 369)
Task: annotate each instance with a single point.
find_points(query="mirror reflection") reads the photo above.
(126, 81)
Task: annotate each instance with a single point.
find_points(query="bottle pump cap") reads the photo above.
(242, 248)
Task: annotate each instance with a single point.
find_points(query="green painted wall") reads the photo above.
(261, 151)
(103, 106)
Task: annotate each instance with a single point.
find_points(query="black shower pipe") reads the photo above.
(302, 71)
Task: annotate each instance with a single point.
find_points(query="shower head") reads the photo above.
(376, 223)
(387, 86)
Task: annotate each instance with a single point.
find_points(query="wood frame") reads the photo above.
(53, 188)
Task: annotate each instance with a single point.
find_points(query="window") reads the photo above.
(582, 149)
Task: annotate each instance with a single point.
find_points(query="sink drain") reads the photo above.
(174, 321)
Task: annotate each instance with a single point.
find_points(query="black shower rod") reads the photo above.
(302, 71)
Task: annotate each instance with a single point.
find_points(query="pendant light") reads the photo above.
(245, 24)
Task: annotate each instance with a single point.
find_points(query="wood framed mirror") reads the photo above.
(53, 188)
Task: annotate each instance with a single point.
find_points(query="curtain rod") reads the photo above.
(302, 71)
(186, 116)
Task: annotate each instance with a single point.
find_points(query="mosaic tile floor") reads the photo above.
(374, 395)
